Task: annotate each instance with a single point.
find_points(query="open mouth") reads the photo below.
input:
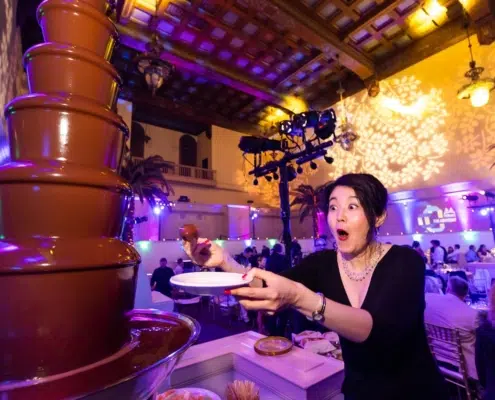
(342, 234)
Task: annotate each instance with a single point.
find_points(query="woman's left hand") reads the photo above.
(279, 293)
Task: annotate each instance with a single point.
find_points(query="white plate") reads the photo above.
(208, 283)
(207, 395)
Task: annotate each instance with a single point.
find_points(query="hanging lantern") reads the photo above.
(347, 135)
(478, 89)
(155, 70)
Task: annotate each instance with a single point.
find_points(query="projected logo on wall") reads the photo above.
(435, 219)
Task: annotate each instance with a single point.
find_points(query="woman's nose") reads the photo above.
(341, 215)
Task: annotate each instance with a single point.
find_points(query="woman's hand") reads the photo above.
(279, 293)
(205, 253)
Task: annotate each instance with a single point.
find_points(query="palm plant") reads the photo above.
(147, 181)
(310, 202)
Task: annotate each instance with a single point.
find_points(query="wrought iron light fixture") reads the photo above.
(478, 89)
(347, 136)
(155, 70)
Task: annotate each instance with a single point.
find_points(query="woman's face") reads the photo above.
(262, 263)
(347, 220)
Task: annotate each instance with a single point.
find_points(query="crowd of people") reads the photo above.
(371, 294)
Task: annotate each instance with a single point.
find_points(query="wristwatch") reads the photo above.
(319, 314)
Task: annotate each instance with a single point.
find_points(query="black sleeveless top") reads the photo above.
(394, 362)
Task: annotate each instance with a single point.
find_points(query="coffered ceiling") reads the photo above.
(241, 63)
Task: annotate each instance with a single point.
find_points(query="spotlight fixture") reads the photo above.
(268, 178)
(291, 173)
(313, 165)
(285, 127)
(470, 197)
(328, 159)
(299, 170)
(326, 124)
(275, 176)
(255, 182)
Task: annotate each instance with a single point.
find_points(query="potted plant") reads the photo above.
(147, 181)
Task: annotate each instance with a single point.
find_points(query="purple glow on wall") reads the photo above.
(187, 37)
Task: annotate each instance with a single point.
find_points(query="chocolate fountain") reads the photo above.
(67, 283)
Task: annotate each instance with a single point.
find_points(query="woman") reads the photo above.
(482, 253)
(485, 351)
(371, 294)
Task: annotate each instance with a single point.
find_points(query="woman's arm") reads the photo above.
(354, 324)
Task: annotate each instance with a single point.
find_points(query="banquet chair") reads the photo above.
(445, 345)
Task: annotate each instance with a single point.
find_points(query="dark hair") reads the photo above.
(277, 248)
(472, 247)
(180, 261)
(457, 246)
(435, 242)
(415, 244)
(163, 259)
(371, 193)
(248, 250)
(458, 286)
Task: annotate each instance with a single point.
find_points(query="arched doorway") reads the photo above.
(188, 151)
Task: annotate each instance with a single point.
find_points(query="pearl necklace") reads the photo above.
(360, 276)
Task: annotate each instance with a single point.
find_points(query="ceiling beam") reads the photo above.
(134, 37)
(443, 37)
(182, 110)
(315, 32)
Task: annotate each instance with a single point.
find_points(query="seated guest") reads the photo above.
(179, 268)
(450, 311)
(320, 244)
(433, 285)
(482, 253)
(485, 351)
(243, 258)
(160, 280)
(453, 256)
(262, 262)
(471, 255)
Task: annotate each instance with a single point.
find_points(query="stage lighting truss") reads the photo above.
(324, 124)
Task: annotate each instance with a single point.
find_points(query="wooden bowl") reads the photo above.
(49, 127)
(79, 24)
(60, 69)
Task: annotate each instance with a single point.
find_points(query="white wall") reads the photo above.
(204, 149)
(164, 142)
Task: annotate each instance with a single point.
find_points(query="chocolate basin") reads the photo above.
(55, 68)
(58, 197)
(159, 339)
(70, 128)
(64, 303)
(79, 24)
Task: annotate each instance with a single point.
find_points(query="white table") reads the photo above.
(297, 375)
(490, 266)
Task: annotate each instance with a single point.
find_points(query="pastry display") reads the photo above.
(242, 390)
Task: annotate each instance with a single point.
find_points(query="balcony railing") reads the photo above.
(183, 172)
(191, 172)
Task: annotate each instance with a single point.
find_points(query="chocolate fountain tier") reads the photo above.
(77, 23)
(41, 274)
(133, 373)
(58, 68)
(64, 128)
(56, 197)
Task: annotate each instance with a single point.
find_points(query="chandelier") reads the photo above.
(478, 89)
(155, 70)
(347, 135)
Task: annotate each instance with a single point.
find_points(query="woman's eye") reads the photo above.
(353, 206)
(333, 208)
